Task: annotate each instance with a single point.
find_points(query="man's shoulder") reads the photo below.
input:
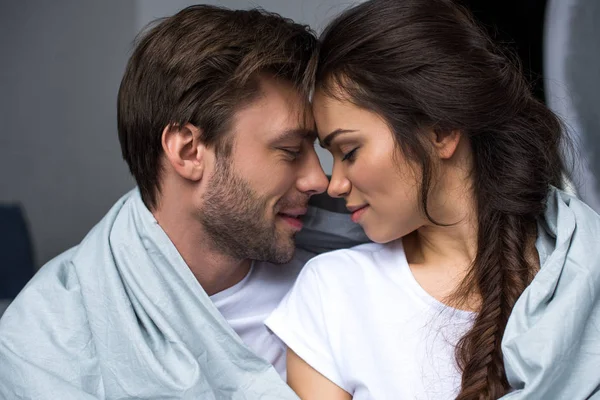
(47, 319)
(54, 280)
(55, 291)
(58, 272)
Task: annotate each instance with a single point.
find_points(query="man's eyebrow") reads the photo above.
(296, 133)
(325, 143)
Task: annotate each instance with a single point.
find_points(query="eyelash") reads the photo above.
(292, 153)
(350, 156)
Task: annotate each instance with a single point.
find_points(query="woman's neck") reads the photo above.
(441, 256)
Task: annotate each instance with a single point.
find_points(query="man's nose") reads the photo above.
(312, 179)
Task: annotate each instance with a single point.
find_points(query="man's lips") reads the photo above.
(292, 217)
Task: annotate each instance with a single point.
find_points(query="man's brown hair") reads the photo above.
(200, 66)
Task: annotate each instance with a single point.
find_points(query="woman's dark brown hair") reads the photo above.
(425, 64)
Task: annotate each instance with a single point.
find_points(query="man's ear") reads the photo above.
(184, 150)
(445, 142)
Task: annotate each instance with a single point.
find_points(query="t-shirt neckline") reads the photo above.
(235, 288)
(415, 287)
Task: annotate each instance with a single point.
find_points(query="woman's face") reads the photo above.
(379, 184)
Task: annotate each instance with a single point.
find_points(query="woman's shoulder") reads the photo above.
(354, 260)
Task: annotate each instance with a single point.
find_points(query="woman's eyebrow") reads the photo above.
(325, 143)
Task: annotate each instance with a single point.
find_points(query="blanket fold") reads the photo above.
(551, 345)
(122, 316)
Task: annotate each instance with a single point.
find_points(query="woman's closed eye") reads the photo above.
(350, 156)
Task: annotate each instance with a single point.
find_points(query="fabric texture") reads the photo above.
(551, 345)
(121, 316)
(359, 317)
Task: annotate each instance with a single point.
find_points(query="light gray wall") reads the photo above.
(62, 63)
(59, 156)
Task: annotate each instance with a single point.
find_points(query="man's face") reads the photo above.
(256, 196)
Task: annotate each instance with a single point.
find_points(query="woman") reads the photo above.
(452, 168)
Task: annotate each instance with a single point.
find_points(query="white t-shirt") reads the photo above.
(359, 317)
(247, 304)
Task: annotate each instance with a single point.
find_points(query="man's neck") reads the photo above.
(214, 271)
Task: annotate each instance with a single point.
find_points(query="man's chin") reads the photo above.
(285, 251)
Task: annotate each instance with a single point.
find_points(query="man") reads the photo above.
(214, 125)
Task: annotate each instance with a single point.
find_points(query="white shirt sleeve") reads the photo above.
(300, 323)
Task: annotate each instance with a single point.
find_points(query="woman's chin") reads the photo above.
(380, 236)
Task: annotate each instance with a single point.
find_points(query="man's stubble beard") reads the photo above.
(235, 219)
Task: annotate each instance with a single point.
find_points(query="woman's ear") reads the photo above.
(184, 150)
(445, 143)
